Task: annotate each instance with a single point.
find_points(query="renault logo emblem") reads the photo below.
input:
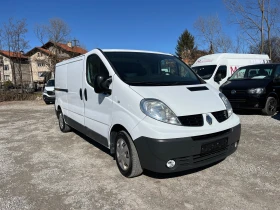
(233, 92)
(209, 119)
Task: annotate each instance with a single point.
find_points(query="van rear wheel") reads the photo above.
(270, 106)
(62, 125)
(126, 156)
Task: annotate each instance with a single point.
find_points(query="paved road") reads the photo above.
(42, 168)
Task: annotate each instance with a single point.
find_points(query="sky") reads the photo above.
(118, 24)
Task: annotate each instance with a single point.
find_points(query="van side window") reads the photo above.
(95, 66)
(222, 70)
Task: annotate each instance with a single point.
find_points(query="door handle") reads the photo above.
(81, 94)
(85, 93)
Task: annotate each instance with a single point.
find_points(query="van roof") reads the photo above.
(109, 50)
(214, 59)
(131, 50)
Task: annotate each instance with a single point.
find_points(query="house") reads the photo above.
(12, 65)
(43, 59)
(191, 57)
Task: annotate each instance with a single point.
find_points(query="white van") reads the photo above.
(150, 109)
(217, 68)
(49, 93)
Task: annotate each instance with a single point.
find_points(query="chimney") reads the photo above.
(69, 44)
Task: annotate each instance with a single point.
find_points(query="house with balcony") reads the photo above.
(43, 59)
(12, 65)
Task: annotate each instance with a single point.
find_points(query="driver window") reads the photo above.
(95, 66)
(222, 70)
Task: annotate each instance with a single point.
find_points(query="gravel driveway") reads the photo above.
(43, 168)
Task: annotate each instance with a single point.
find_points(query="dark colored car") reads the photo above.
(254, 87)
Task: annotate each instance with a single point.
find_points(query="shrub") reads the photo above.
(8, 85)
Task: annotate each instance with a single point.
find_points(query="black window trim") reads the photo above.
(200, 79)
(101, 61)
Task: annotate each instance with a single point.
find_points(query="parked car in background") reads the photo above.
(49, 94)
(254, 87)
(216, 68)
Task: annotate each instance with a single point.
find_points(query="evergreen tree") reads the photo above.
(185, 44)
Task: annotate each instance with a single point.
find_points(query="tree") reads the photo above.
(56, 31)
(210, 30)
(185, 44)
(14, 40)
(257, 19)
(274, 49)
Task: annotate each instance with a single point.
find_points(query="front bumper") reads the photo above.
(48, 98)
(154, 153)
(245, 101)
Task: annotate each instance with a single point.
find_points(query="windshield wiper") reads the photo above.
(153, 83)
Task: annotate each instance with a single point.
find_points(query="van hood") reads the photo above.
(245, 84)
(183, 101)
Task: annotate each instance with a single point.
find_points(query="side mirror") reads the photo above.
(101, 85)
(218, 78)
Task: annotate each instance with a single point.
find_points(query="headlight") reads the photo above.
(159, 111)
(45, 91)
(256, 91)
(227, 104)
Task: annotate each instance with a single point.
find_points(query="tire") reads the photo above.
(270, 106)
(61, 122)
(47, 102)
(126, 156)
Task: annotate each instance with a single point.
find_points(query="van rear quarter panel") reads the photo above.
(61, 83)
(75, 83)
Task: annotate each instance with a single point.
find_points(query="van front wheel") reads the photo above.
(62, 125)
(270, 106)
(126, 156)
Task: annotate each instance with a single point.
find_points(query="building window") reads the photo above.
(6, 77)
(40, 73)
(39, 54)
(40, 64)
(6, 67)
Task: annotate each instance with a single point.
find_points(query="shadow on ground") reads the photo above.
(277, 116)
(93, 142)
(146, 172)
(247, 112)
(178, 174)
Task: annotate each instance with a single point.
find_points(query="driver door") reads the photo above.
(222, 70)
(98, 106)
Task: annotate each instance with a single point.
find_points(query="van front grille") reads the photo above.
(220, 116)
(50, 92)
(191, 120)
(197, 159)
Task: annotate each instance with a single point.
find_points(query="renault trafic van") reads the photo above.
(149, 108)
(215, 69)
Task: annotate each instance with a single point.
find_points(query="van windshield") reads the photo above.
(205, 72)
(151, 69)
(253, 72)
(50, 83)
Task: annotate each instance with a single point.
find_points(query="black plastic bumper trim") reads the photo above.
(154, 153)
(88, 132)
(60, 89)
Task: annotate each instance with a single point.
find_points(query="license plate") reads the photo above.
(216, 145)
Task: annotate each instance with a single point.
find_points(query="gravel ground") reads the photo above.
(43, 168)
